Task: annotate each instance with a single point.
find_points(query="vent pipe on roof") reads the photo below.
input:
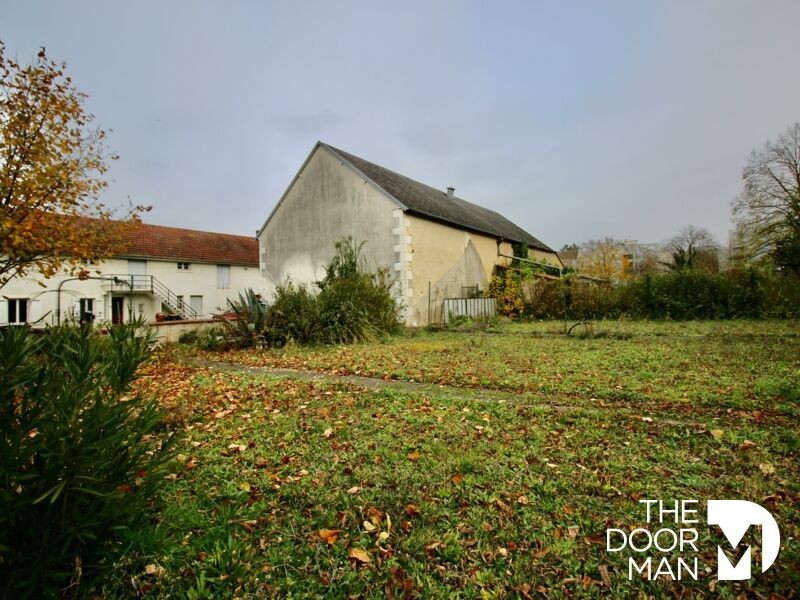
(451, 192)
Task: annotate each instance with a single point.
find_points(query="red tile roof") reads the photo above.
(171, 243)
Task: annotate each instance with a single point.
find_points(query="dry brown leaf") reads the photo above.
(329, 535)
(747, 445)
(414, 456)
(457, 478)
(717, 433)
(604, 575)
(359, 555)
(573, 530)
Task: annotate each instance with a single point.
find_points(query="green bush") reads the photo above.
(682, 295)
(352, 305)
(356, 307)
(250, 325)
(80, 457)
(189, 337)
(293, 314)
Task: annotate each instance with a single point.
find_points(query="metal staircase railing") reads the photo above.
(149, 284)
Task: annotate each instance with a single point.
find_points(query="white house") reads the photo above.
(164, 271)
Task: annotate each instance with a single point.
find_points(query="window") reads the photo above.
(137, 267)
(183, 266)
(196, 304)
(17, 310)
(86, 310)
(223, 277)
(180, 302)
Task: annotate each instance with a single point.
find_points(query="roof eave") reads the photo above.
(485, 232)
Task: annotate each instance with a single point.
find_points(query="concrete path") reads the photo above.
(526, 399)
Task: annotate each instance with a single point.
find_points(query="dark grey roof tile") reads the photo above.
(433, 203)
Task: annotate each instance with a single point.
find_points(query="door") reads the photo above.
(117, 308)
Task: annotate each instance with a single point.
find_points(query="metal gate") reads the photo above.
(475, 308)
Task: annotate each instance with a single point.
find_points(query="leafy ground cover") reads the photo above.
(674, 366)
(293, 488)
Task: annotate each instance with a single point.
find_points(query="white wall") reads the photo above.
(326, 202)
(199, 280)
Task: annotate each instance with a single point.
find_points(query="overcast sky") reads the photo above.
(576, 120)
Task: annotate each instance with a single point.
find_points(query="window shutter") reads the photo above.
(34, 311)
(3, 312)
(223, 277)
(196, 303)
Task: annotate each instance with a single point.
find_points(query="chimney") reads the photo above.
(450, 192)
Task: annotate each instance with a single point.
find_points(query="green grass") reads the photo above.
(470, 497)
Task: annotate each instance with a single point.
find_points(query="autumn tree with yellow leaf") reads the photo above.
(52, 163)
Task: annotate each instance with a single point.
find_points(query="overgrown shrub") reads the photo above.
(682, 295)
(506, 289)
(294, 313)
(356, 307)
(352, 304)
(249, 328)
(80, 458)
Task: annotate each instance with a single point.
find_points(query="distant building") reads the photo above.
(177, 273)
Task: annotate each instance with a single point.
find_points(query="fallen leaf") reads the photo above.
(328, 432)
(573, 530)
(414, 456)
(156, 570)
(766, 468)
(383, 536)
(746, 445)
(368, 526)
(604, 575)
(457, 478)
(359, 555)
(523, 500)
(375, 515)
(717, 433)
(329, 535)
(354, 490)
(412, 510)
(244, 486)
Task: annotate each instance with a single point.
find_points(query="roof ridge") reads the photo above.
(202, 231)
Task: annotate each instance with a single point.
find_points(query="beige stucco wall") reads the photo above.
(327, 201)
(450, 259)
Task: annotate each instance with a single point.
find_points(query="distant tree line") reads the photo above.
(688, 277)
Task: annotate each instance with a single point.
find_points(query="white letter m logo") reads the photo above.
(735, 517)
